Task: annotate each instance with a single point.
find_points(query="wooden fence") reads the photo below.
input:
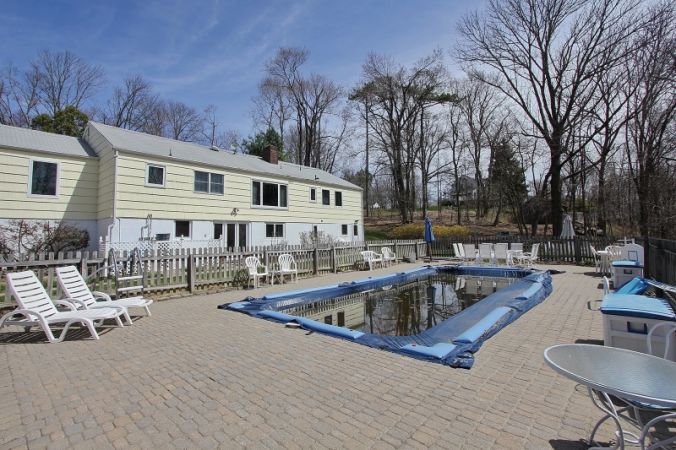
(194, 270)
(573, 251)
(660, 259)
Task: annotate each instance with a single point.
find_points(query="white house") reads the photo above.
(123, 186)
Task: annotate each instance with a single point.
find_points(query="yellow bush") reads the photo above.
(417, 231)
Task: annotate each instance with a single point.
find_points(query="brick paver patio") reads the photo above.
(192, 376)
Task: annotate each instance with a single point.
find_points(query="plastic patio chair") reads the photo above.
(500, 253)
(372, 258)
(597, 259)
(256, 270)
(74, 286)
(389, 256)
(287, 266)
(470, 253)
(485, 252)
(529, 258)
(39, 310)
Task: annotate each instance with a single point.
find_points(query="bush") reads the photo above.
(417, 231)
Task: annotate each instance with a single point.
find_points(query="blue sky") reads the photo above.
(212, 52)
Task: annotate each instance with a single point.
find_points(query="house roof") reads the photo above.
(142, 143)
(27, 139)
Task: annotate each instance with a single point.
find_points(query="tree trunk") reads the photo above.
(556, 213)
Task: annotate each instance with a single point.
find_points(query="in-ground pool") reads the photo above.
(402, 309)
(441, 314)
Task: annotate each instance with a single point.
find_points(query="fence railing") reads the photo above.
(194, 270)
(574, 251)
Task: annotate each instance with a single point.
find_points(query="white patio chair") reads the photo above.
(74, 286)
(597, 259)
(372, 258)
(606, 286)
(389, 256)
(287, 266)
(39, 310)
(529, 258)
(514, 253)
(485, 252)
(256, 270)
(500, 253)
(470, 252)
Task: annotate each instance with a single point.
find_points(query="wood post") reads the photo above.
(315, 261)
(191, 272)
(334, 262)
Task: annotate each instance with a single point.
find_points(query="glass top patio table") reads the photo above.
(623, 373)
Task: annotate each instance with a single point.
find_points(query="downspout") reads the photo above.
(114, 216)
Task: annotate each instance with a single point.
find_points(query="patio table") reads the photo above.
(625, 374)
(513, 255)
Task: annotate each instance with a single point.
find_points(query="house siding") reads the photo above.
(178, 200)
(77, 187)
(106, 180)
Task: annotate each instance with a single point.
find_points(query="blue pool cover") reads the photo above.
(452, 342)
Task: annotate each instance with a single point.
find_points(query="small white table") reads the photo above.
(628, 375)
(513, 255)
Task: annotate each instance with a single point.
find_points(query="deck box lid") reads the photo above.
(627, 263)
(637, 306)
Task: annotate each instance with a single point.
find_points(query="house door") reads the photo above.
(235, 234)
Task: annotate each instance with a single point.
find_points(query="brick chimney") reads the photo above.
(270, 154)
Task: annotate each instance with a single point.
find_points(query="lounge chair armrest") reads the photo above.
(101, 295)
(25, 312)
(70, 303)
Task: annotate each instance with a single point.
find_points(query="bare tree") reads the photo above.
(19, 96)
(65, 79)
(131, 104)
(544, 55)
(183, 122)
(651, 131)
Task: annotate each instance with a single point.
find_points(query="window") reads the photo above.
(326, 197)
(328, 320)
(274, 230)
(341, 318)
(43, 178)
(315, 231)
(182, 228)
(162, 237)
(355, 230)
(210, 183)
(313, 194)
(218, 230)
(339, 198)
(343, 230)
(154, 175)
(269, 194)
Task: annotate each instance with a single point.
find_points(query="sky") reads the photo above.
(213, 51)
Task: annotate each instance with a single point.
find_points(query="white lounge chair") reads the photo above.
(38, 309)
(500, 253)
(529, 258)
(389, 256)
(470, 252)
(256, 270)
(372, 258)
(485, 252)
(287, 266)
(597, 258)
(74, 286)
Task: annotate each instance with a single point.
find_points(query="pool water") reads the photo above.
(403, 310)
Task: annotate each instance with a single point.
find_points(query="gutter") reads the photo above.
(114, 216)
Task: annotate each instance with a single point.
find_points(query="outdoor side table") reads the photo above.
(610, 371)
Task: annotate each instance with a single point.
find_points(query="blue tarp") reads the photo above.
(452, 342)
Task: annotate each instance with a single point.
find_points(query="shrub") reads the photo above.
(417, 231)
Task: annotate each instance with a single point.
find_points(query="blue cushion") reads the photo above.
(328, 329)
(438, 351)
(636, 285)
(637, 306)
(626, 263)
(530, 292)
(478, 329)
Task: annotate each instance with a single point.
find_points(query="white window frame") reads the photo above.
(189, 229)
(322, 192)
(260, 193)
(310, 194)
(341, 199)
(30, 177)
(347, 229)
(208, 191)
(274, 224)
(164, 175)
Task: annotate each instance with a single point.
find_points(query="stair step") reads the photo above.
(130, 278)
